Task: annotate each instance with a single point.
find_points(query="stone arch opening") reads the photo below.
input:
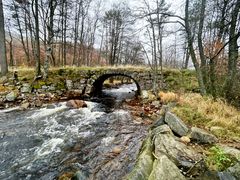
(97, 86)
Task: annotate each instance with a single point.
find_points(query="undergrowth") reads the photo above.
(218, 160)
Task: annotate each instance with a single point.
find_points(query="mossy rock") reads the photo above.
(144, 165)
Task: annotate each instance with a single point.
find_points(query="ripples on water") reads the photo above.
(42, 143)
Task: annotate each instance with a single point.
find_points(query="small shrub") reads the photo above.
(218, 160)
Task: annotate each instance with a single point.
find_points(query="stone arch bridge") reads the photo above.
(91, 81)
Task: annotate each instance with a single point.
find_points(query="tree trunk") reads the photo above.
(3, 58)
(37, 40)
(200, 42)
(192, 52)
(233, 50)
(50, 35)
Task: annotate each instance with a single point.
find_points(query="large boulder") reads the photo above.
(144, 165)
(202, 136)
(177, 152)
(76, 104)
(176, 124)
(163, 168)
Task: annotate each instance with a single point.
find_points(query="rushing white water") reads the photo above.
(48, 147)
(35, 144)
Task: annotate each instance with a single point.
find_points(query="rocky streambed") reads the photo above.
(89, 140)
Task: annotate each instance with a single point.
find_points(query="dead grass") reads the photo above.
(207, 112)
(168, 97)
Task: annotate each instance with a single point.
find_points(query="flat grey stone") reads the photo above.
(202, 136)
(176, 124)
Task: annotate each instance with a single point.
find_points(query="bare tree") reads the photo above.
(3, 59)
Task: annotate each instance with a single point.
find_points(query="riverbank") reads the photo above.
(199, 117)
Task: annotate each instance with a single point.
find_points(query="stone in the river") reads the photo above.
(11, 96)
(76, 104)
(202, 136)
(176, 124)
(26, 88)
(163, 168)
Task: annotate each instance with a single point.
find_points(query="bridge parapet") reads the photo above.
(85, 79)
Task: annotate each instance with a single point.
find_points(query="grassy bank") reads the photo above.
(205, 112)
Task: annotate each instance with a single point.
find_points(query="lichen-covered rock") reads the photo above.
(202, 136)
(176, 124)
(177, 151)
(12, 96)
(163, 168)
(143, 167)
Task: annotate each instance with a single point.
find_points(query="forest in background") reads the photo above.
(49, 33)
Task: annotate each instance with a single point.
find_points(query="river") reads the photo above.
(47, 142)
